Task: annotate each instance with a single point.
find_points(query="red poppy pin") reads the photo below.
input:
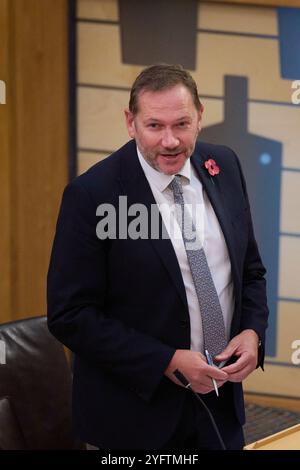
(212, 167)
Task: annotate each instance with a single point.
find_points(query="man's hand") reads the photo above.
(195, 369)
(245, 347)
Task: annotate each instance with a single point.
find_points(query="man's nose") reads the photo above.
(169, 140)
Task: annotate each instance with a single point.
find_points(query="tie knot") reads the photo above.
(176, 185)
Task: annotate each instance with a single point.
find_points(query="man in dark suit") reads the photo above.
(121, 288)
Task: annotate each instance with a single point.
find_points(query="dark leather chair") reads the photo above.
(10, 433)
(35, 389)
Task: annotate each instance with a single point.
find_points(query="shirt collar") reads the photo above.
(158, 179)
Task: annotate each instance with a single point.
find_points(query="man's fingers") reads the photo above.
(240, 375)
(226, 354)
(217, 374)
(236, 366)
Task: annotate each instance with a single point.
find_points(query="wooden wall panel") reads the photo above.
(289, 273)
(98, 63)
(237, 18)
(93, 9)
(253, 57)
(267, 3)
(87, 159)
(37, 116)
(262, 118)
(5, 236)
(288, 314)
(277, 379)
(97, 110)
(290, 207)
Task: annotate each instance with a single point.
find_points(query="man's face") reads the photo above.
(165, 127)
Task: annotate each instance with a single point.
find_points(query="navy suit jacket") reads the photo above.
(120, 304)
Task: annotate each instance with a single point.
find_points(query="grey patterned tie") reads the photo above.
(210, 308)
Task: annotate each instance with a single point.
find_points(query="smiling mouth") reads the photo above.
(171, 155)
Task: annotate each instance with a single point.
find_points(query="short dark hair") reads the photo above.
(161, 77)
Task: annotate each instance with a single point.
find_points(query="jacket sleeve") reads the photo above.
(76, 293)
(254, 309)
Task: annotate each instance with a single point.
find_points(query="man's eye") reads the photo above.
(153, 125)
(182, 124)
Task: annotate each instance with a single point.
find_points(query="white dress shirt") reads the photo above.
(210, 235)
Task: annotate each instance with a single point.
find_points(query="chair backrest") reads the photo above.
(11, 437)
(35, 388)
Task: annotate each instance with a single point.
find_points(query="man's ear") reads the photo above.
(130, 123)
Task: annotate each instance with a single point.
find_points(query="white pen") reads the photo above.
(211, 363)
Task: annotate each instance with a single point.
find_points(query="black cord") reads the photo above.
(182, 379)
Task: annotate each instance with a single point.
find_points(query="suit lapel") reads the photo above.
(213, 188)
(135, 185)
